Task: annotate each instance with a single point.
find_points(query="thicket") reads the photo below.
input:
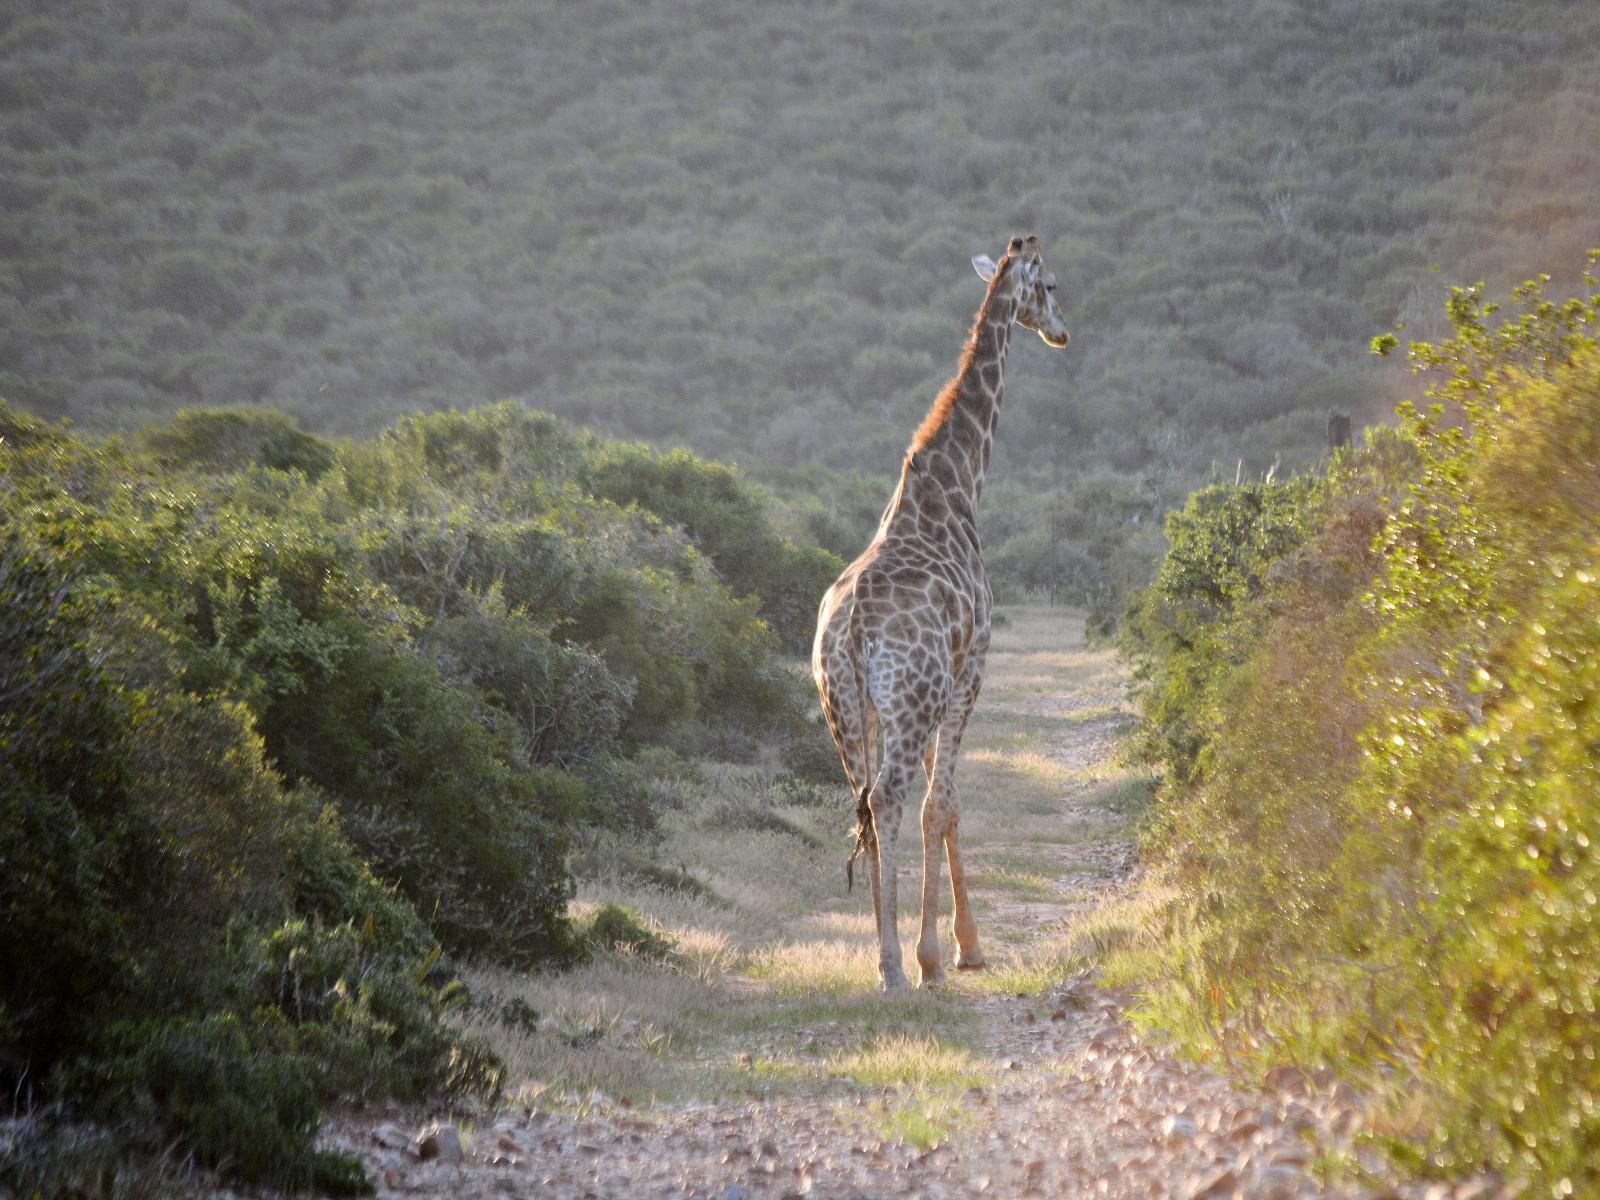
(288, 726)
(1377, 697)
(747, 231)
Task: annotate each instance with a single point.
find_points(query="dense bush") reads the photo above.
(436, 801)
(1384, 817)
(728, 521)
(151, 856)
(285, 721)
(615, 929)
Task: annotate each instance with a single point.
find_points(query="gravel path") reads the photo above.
(1085, 1109)
(1074, 1103)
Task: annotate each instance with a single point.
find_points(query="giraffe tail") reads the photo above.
(866, 838)
(860, 771)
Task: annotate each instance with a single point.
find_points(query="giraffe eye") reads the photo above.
(1049, 287)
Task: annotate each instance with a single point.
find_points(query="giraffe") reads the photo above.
(902, 634)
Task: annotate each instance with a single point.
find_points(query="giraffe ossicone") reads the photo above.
(903, 633)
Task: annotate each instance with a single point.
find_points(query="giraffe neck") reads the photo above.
(957, 436)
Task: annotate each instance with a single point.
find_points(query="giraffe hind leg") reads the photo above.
(906, 736)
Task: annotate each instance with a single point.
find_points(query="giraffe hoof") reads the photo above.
(975, 963)
(896, 984)
(932, 980)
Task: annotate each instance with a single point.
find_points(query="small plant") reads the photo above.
(516, 1013)
(918, 1121)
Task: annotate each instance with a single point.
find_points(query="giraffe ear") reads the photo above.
(985, 267)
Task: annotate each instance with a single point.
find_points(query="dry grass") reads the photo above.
(817, 968)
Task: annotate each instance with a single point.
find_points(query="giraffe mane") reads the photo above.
(944, 403)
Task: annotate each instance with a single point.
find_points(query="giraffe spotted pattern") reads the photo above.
(902, 634)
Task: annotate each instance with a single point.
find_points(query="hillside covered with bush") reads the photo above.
(1377, 697)
(290, 727)
(746, 230)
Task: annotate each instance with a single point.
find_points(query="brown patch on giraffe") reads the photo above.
(944, 404)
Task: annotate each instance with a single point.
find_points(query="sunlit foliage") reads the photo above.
(1385, 817)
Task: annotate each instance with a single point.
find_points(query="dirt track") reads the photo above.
(1059, 1097)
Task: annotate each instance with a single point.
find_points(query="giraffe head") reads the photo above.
(1035, 288)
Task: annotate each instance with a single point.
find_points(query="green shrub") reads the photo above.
(368, 1023)
(231, 439)
(1517, 870)
(626, 795)
(810, 755)
(150, 849)
(1385, 828)
(266, 701)
(1195, 620)
(567, 706)
(238, 1101)
(235, 1091)
(437, 800)
(615, 928)
(727, 520)
(329, 883)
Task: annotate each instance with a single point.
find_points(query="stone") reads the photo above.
(441, 1142)
(1276, 1183)
(1244, 1132)
(1177, 1127)
(1214, 1185)
(1286, 1079)
(391, 1137)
